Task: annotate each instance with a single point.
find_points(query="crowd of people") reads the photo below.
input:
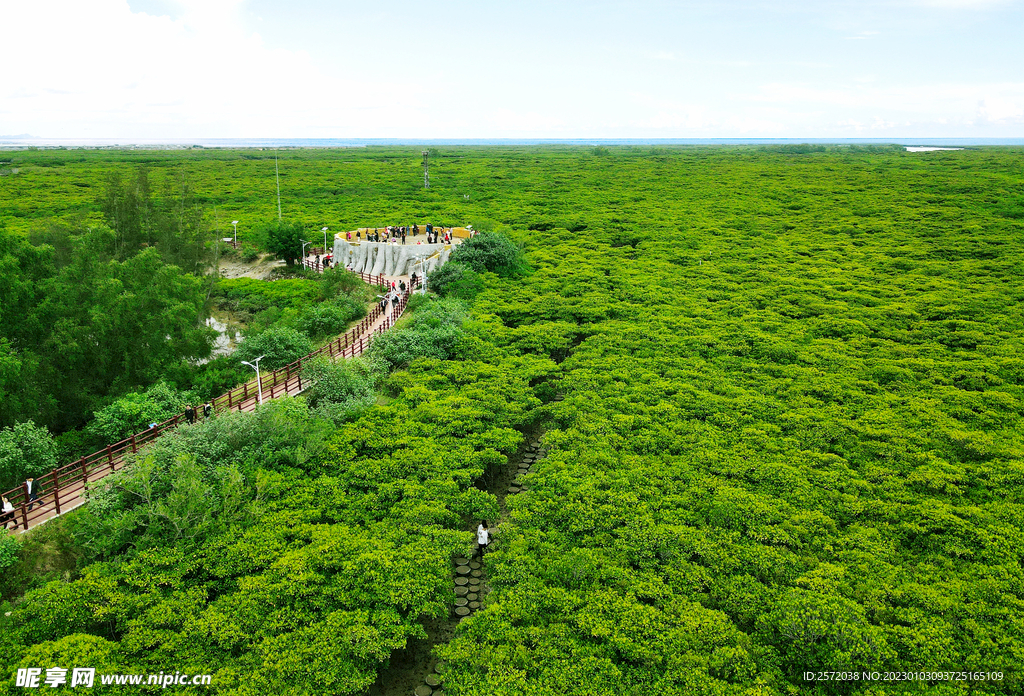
(398, 234)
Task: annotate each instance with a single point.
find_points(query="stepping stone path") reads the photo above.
(470, 576)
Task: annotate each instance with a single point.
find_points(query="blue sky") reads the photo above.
(151, 69)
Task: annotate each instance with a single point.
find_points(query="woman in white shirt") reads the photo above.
(7, 513)
(483, 537)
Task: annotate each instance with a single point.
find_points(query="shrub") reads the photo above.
(434, 332)
(491, 251)
(252, 295)
(249, 254)
(133, 413)
(278, 345)
(341, 391)
(25, 450)
(284, 240)
(330, 318)
(9, 547)
(337, 280)
(456, 280)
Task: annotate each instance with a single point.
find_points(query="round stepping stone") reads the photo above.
(461, 561)
(513, 489)
(474, 605)
(461, 581)
(461, 591)
(462, 570)
(439, 667)
(462, 611)
(423, 690)
(471, 597)
(474, 564)
(461, 601)
(432, 680)
(477, 573)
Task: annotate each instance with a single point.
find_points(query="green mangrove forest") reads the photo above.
(779, 390)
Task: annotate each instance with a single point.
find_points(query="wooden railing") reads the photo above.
(63, 488)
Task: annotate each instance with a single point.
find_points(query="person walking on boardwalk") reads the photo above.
(207, 410)
(7, 513)
(190, 414)
(33, 489)
(483, 538)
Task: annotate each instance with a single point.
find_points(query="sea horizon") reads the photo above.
(18, 142)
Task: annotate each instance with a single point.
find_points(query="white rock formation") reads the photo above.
(389, 259)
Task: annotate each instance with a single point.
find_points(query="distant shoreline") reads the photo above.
(291, 143)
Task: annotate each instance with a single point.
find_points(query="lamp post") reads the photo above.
(259, 382)
(304, 243)
(324, 230)
(235, 223)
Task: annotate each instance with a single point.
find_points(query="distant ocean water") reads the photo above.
(228, 143)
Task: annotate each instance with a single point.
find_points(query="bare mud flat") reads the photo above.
(261, 269)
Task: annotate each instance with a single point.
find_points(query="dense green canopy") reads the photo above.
(791, 441)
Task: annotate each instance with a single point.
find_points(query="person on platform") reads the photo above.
(190, 414)
(207, 410)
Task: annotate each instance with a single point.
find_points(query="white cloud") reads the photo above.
(114, 73)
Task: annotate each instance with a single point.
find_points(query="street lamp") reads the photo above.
(324, 230)
(235, 223)
(304, 243)
(259, 382)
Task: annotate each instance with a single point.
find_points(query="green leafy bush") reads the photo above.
(456, 280)
(342, 390)
(253, 295)
(279, 345)
(134, 412)
(10, 545)
(26, 449)
(491, 251)
(434, 332)
(284, 240)
(331, 318)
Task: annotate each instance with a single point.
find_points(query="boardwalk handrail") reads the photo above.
(63, 487)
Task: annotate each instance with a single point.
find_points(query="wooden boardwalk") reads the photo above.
(64, 488)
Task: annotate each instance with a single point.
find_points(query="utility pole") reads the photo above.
(278, 173)
(426, 169)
